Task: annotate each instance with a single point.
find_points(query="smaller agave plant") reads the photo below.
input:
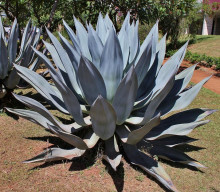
(117, 92)
(9, 78)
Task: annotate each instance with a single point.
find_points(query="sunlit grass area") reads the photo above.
(206, 44)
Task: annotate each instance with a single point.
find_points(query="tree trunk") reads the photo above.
(48, 25)
(9, 14)
(52, 13)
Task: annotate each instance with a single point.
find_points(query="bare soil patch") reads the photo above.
(202, 72)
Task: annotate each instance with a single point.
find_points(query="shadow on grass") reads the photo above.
(188, 148)
(148, 176)
(181, 166)
(12, 115)
(90, 157)
(35, 96)
(39, 98)
(203, 38)
(64, 120)
(142, 171)
(56, 141)
(117, 176)
(10, 101)
(49, 164)
(78, 163)
(83, 162)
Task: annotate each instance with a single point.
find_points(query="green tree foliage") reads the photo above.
(210, 8)
(50, 12)
(16, 9)
(170, 13)
(39, 11)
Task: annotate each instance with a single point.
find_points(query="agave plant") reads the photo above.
(117, 92)
(9, 78)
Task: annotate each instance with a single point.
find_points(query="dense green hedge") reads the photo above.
(197, 58)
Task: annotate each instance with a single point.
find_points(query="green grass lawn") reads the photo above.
(209, 139)
(206, 44)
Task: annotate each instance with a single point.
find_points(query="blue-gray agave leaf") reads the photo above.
(72, 53)
(38, 61)
(36, 106)
(152, 36)
(188, 116)
(91, 81)
(126, 22)
(103, 118)
(108, 22)
(142, 67)
(25, 37)
(168, 68)
(91, 138)
(172, 141)
(183, 99)
(174, 155)
(70, 100)
(112, 154)
(57, 61)
(3, 59)
(27, 57)
(39, 108)
(95, 46)
(181, 81)
(55, 154)
(125, 95)
(42, 87)
(124, 42)
(111, 64)
(72, 36)
(12, 44)
(82, 36)
(69, 138)
(134, 43)
(174, 129)
(146, 87)
(57, 76)
(67, 64)
(184, 77)
(101, 29)
(149, 165)
(32, 116)
(161, 49)
(2, 30)
(137, 135)
(150, 109)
